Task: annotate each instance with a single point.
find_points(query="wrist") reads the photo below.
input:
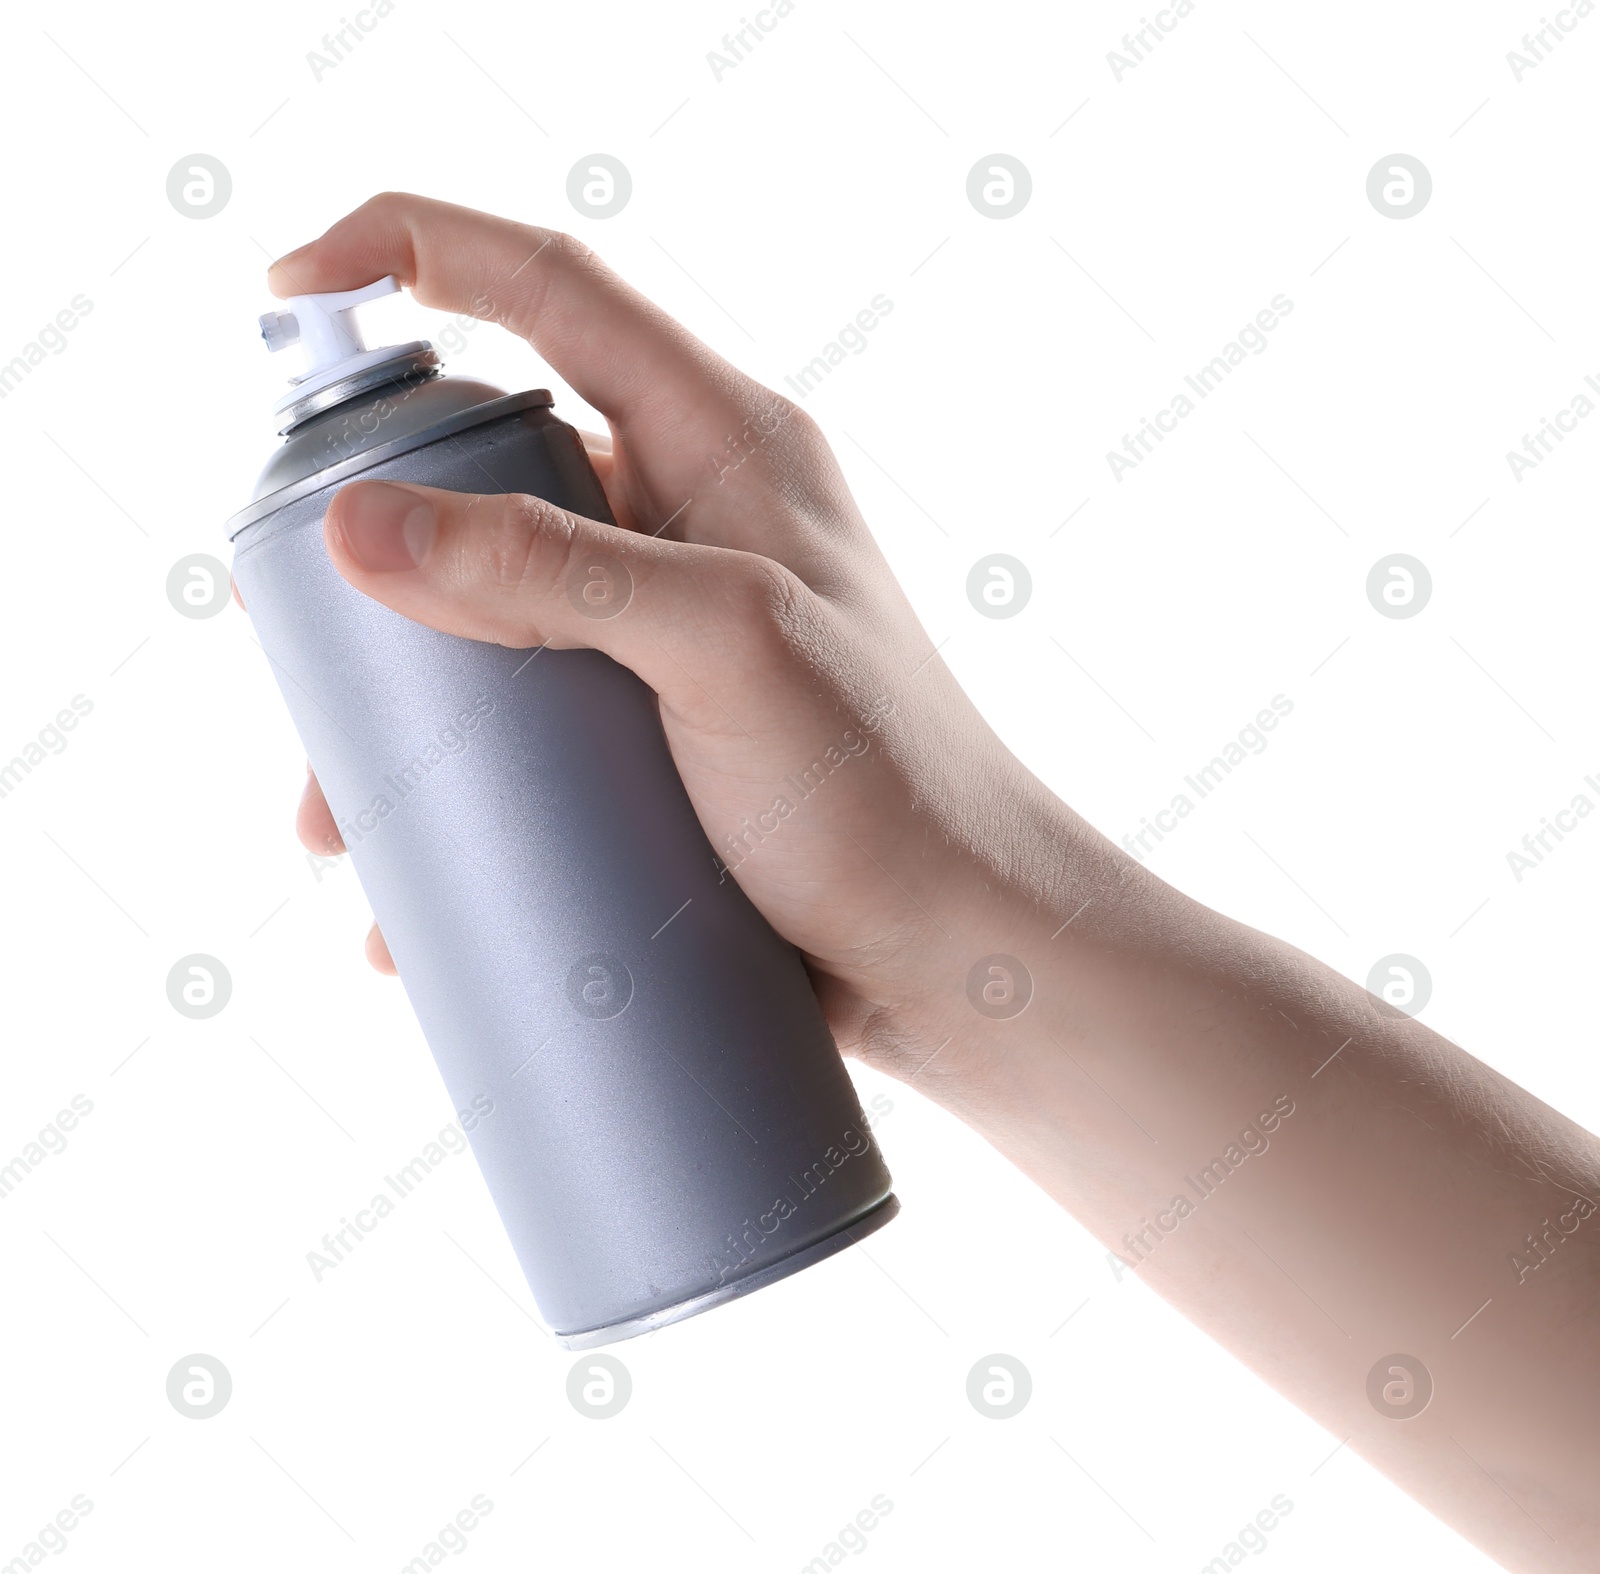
(1018, 924)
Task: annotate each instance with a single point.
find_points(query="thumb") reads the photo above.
(698, 623)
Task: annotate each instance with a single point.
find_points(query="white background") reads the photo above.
(768, 208)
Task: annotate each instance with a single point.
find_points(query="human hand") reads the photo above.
(835, 764)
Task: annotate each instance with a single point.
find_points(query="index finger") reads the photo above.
(619, 351)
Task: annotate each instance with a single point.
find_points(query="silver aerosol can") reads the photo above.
(654, 1098)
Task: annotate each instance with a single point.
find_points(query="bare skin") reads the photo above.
(1387, 1183)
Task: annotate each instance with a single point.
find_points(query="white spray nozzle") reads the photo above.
(339, 366)
(324, 324)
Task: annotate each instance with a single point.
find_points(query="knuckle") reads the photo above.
(780, 417)
(521, 541)
(773, 603)
(800, 423)
(523, 300)
(772, 420)
(388, 205)
(779, 451)
(571, 250)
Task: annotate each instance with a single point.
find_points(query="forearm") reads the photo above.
(1316, 1180)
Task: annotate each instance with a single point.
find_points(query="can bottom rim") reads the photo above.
(874, 1219)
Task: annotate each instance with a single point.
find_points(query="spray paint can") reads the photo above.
(655, 1100)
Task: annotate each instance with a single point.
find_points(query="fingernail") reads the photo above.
(386, 527)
